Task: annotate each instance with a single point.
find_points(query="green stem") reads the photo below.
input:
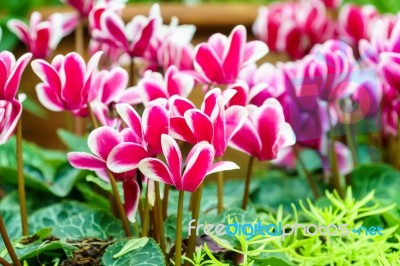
(21, 180)
(196, 195)
(7, 243)
(178, 243)
(220, 187)
(120, 206)
(308, 175)
(160, 222)
(246, 194)
(146, 218)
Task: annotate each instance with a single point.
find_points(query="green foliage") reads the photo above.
(148, 255)
(303, 249)
(44, 170)
(388, 6)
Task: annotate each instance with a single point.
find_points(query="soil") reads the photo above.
(89, 252)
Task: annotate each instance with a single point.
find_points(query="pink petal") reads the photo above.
(131, 118)
(140, 46)
(247, 140)
(200, 125)
(125, 157)
(83, 160)
(130, 96)
(268, 120)
(151, 90)
(102, 140)
(253, 51)
(235, 116)
(198, 162)
(113, 24)
(155, 122)
(132, 196)
(47, 73)
(74, 71)
(156, 170)
(173, 156)
(207, 63)
(12, 113)
(3, 78)
(20, 29)
(180, 130)
(41, 45)
(222, 166)
(15, 76)
(179, 105)
(233, 53)
(209, 105)
(48, 97)
(116, 82)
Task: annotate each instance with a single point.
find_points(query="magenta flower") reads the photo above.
(101, 141)
(265, 132)
(10, 107)
(263, 82)
(389, 67)
(288, 159)
(199, 163)
(293, 27)
(332, 3)
(67, 82)
(214, 123)
(111, 88)
(134, 37)
(171, 45)
(42, 37)
(220, 59)
(355, 22)
(145, 131)
(153, 86)
(385, 37)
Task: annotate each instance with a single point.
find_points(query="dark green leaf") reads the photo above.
(149, 255)
(92, 223)
(73, 142)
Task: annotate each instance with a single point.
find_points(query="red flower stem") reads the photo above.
(178, 243)
(308, 175)
(132, 73)
(79, 48)
(350, 139)
(154, 220)
(335, 171)
(165, 201)
(120, 206)
(93, 119)
(220, 188)
(246, 194)
(68, 122)
(146, 218)
(121, 210)
(8, 244)
(196, 195)
(21, 180)
(4, 262)
(160, 222)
